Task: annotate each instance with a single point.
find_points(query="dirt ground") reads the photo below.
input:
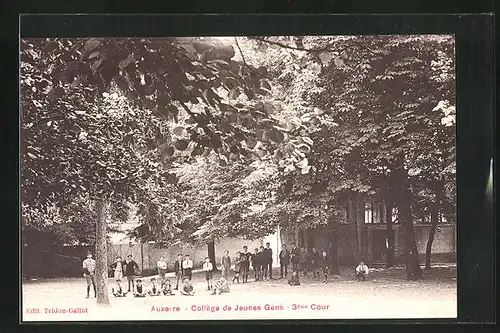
(385, 294)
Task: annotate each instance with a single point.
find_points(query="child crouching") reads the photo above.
(139, 290)
(154, 290)
(220, 286)
(294, 279)
(118, 292)
(361, 271)
(167, 288)
(187, 288)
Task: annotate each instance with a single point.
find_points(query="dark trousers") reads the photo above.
(283, 267)
(295, 265)
(361, 276)
(269, 267)
(178, 277)
(188, 273)
(130, 281)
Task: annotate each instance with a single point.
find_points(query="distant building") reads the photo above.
(362, 234)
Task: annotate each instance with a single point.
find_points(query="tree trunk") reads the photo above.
(211, 255)
(412, 260)
(390, 232)
(434, 222)
(101, 254)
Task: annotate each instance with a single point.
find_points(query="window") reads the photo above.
(377, 213)
(368, 212)
(344, 219)
(373, 212)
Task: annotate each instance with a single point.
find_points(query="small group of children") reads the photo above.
(154, 289)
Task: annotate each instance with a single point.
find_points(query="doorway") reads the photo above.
(380, 244)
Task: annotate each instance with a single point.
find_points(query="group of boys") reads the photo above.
(261, 262)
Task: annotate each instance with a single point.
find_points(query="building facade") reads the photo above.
(362, 235)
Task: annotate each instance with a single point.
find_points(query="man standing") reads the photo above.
(179, 272)
(187, 266)
(294, 257)
(284, 260)
(269, 259)
(226, 264)
(245, 266)
(89, 273)
(130, 267)
(162, 270)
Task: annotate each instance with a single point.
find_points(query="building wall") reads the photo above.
(443, 246)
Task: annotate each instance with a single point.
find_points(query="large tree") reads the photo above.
(94, 116)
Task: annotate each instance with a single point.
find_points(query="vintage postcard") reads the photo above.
(238, 177)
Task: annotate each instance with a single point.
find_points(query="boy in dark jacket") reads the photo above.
(130, 267)
(178, 270)
(314, 262)
(284, 261)
(256, 259)
(268, 263)
(226, 264)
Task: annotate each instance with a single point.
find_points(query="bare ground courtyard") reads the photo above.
(386, 294)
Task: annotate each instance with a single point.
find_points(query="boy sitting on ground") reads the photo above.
(118, 292)
(154, 290)
(294, 279)
(220, 286)
(187, 288)
(139, 290)
(167, 288)
(362, 271)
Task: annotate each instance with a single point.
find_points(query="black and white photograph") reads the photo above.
(238, 177)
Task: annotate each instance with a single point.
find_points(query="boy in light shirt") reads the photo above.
(89, 273)
(362, 271)
(187, 266)
(207, 268)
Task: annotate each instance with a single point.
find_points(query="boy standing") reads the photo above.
(130, 267)
(117, 268)
(187, 266)
(361, 271)
(207, 268)
(178, 270)
(313, 262)
(284, 261)
(256, 264)
(226, 264)
(89, 273)
(324, 264)
(269, 260)
(245, 264)
(262, 263)
(162, 269)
